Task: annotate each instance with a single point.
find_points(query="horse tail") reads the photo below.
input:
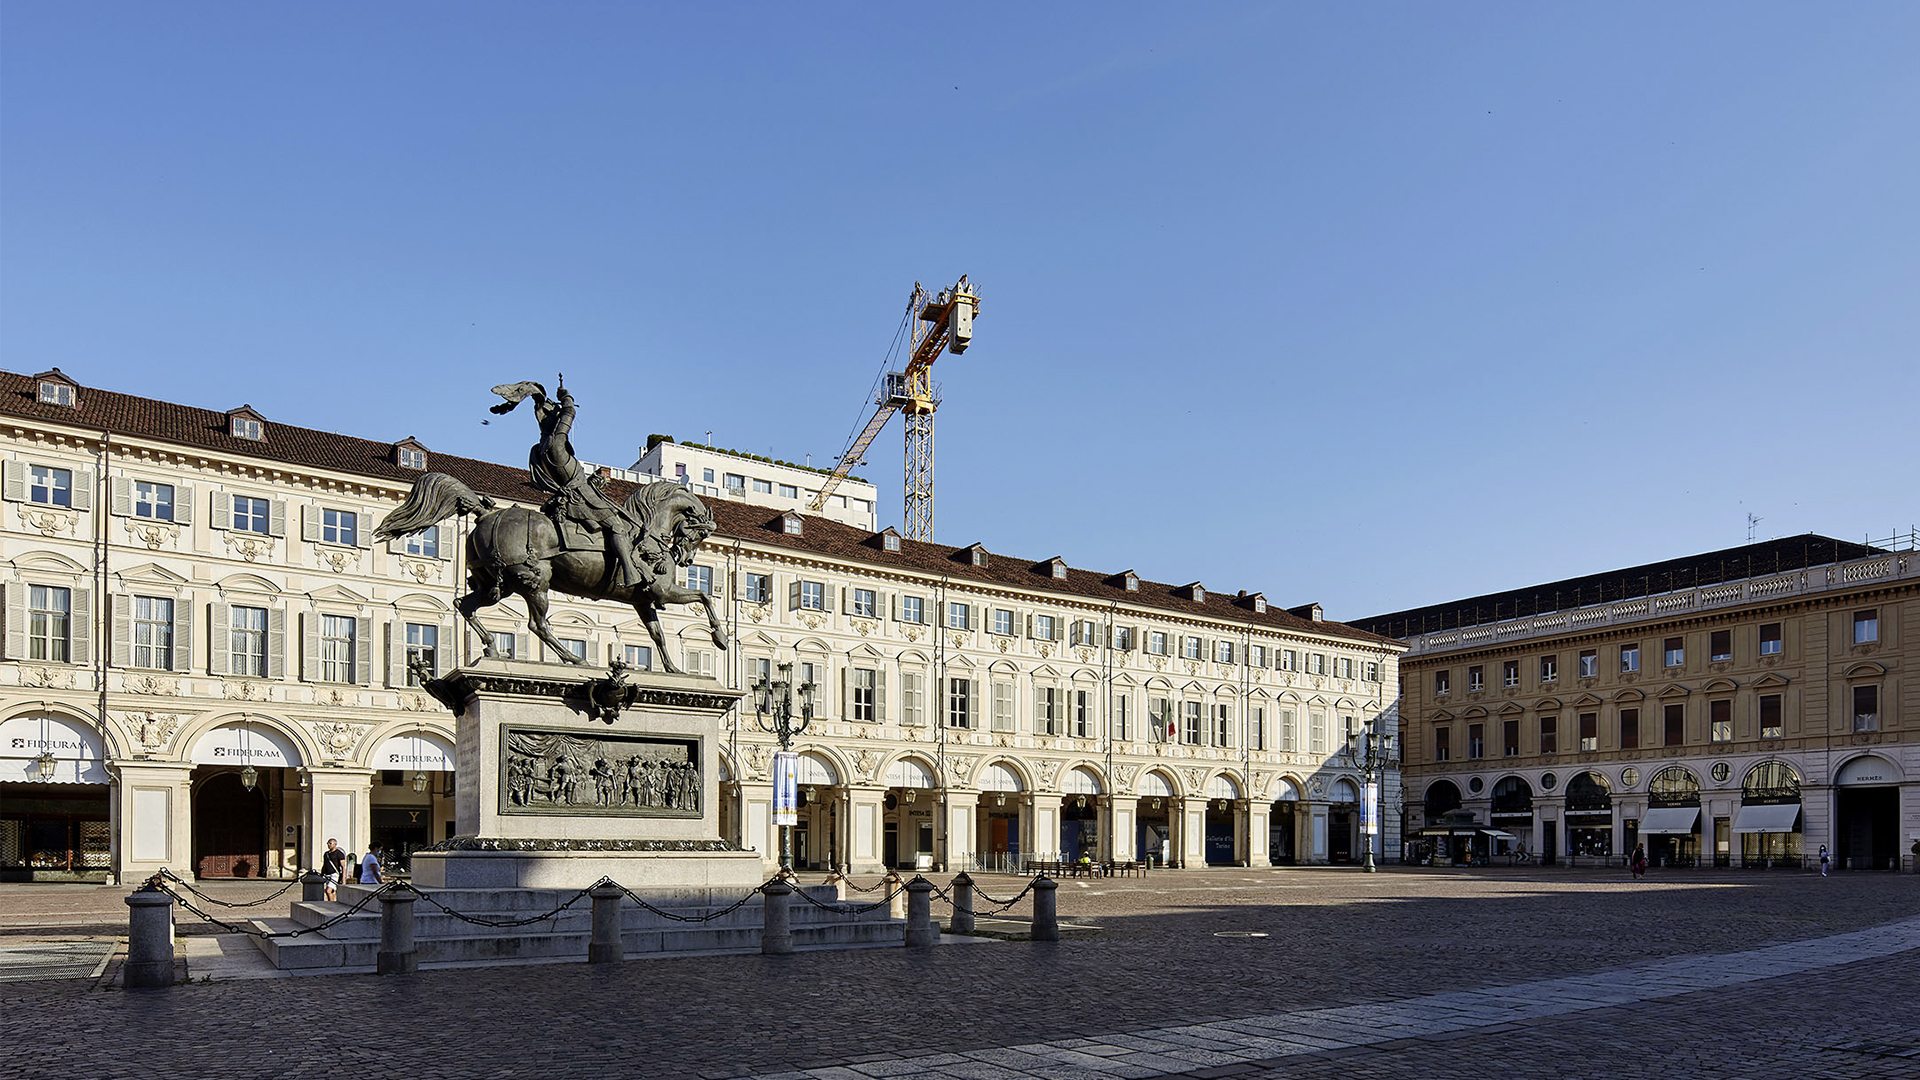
(435, 497)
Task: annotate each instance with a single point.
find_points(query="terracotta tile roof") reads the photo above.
(187, 426)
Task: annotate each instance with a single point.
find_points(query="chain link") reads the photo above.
(188, 885)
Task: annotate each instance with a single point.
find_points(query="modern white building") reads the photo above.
(204, 667)
(713, 473)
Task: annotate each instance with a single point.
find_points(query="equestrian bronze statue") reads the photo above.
(581, 542)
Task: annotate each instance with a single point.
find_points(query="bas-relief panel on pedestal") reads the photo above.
(598, 774)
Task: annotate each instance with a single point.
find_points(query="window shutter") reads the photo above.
(893, 607)
(521, 643)
(449, 640)
(880, 695)
(976, 617)
(277, 518)
(122, 504)
(309, 522)
(222, 509)
(183, 504)
(310, 646)
(82, 490)
(183, 634)
(846, 694)
(120, 633)
(363, 536)
(362, 650)
(397, 546)
(843, 598)
(826, 597)
(277, 643)
(396, 654)
(1058, 629)
(219, 639)
(793, 595)
(13, 481)
(80, 627)
(1029, 624)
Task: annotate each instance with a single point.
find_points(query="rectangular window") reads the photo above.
(1629, 729)
(1316, 663)
(1257, 656)
(1257, 729)
(913, 609)
(1549, 668)
(1047, 709)
(153, 500)
(1866, 626)
(503, 644)
(1192, 720)
(1344, 667)
(736, 483)
(1373, 671)
(1083, 724)
(762, 487)
(1866, 708)
(1629, 658)
(1442, 682)
(1123, 638)
(1442, 744)
(1191, 649)
(1676, 725)
(1510, 738)
(425, 543)
(1770, 716)
(1675, 651)
(700, 579)
(1510, 673)
(1317, 733)
(247, 640)
(1476, 678)
(423, 647)
(759, 588)
(1003, 706)
(1770, 639)
(338, 640)
(1289, 660)
(706, 475)
(1720, 721)
(1549, 734)
(53, 393)
(1589, 732)
(49, 486)
(1589, 663)
(700, 662)
(789, 491)
(1043, 628)
(1289, 737)
(959, 617)
(339, 527)
(865, 603)
(1160, 717)
(1476, 741)
(638, 657)
(1003, 620)
(1223, 725)
(252, 515)
(813, 596)
(865, 695)
(153, 632)
(1157, 642)
(913, 699)
(1223, 652)
(1720, 645)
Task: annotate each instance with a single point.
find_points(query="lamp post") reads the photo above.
(1372, 754)
(773, 711)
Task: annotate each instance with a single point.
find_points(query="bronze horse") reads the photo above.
(518, 551)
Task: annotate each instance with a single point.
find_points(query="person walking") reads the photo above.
(1824, 860)
(333, 867)
(370, 867)
(1639, 858)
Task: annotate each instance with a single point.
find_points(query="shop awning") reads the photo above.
(1453, 830)
(1496, 834)
(1669, 821)
(1778, 818)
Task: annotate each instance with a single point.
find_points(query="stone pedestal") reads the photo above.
(557, 792)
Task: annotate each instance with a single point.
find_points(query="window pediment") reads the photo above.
(1721, 685)
(1630, 695)
(1673, 690)
(1512, 708)
(1866, 669)
(1770, 680)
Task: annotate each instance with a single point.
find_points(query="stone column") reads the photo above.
(1257, 829)
(154, 803)
(1193, 831)
(340, 806)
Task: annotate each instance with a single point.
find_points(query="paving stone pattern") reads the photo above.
(1506, 964)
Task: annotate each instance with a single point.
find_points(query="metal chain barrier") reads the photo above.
(1002, 905)
(188, 885)
(482, 920)
(849, 909)
(874, 888)
(158, 883)
(674, 916)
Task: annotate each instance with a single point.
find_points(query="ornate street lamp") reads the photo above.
(249, 777)
(773, 711)
(1372, 754)
(46, 763)
(420, 782)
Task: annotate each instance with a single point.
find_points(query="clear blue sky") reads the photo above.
(1376, 305)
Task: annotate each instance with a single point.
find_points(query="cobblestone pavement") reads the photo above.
(1634, 980)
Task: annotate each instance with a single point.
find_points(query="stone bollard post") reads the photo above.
(1046, 925)
(606, 947)
(776, 934)
(962, 905)
(396, 955)
(920, 929)
(897, 900)
(149, 940)
(313, 886)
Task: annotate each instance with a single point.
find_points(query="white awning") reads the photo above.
(415, 751)
(814, 770)
(1778, 818)
(1081, 782)
(1155, 784)
(1222, 787)
(246, 744)
(998, 777)
(79, 755)
(1669, 821)
(1496, 834)
(908, 773)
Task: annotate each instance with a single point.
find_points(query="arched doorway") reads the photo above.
(1671, 827)
(816, 827)
(1441, 796)
(907, 841)
(229, 827)
(1867, 814)
(1223, 801)
(1080, 816)
(412, 803)
(1769, 817)
(1512, 810)
(1590, 815)
(1283, 825)
(1154, 834)
(1000, 799)
(1343, 804)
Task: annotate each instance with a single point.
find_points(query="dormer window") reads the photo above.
(409, 454)
(1057, 568)
(1194, 592)
(244, 423)
(1259, 605)
(56, 389)
(976, 555)
(1132, 582)
(791, 524)
(890, 540)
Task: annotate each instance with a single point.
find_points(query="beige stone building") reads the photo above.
(1738, 708)
(203, 666)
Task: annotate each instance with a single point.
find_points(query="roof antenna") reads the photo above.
(1751, 522)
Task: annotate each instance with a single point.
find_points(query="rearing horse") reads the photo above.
(517, 551)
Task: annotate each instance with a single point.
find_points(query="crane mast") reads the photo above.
(936, 324)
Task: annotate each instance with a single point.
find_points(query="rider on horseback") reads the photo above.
(575, 495)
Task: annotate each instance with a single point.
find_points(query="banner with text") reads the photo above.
(786, 788)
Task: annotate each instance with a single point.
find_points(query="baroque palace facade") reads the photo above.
(204, 666)
(1743, 707)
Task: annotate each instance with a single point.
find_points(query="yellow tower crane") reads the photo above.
(937, 324)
